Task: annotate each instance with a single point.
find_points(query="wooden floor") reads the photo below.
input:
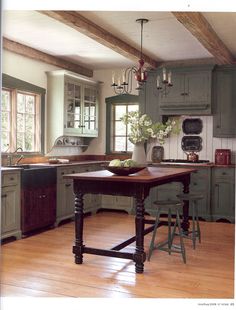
(43, 265)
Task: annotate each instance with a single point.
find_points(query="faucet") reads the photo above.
(10, 157)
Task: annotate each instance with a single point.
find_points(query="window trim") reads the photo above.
(13, 83)
(116, 100)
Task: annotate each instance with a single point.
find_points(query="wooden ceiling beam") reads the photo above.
(100, 35)
(196, 23)
(32, 53)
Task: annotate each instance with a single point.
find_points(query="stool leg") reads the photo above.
(198, 226)
(151, 247)
(169, 231)
(180, 236)
(194, 228)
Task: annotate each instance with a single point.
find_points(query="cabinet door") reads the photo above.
(90, 113)
(223, 205)
(73, 107)
(224, 105)
(47, 210)
(10, 209)
(197, 90)
(65, 200)
(174, 94)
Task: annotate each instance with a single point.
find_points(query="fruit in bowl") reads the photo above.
(125, 167)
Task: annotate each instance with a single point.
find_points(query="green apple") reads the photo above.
(115, 163)
(129, 163)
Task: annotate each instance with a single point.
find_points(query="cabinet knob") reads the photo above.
(218, 126)
(4, 196)
(224, 173)
(67, 185)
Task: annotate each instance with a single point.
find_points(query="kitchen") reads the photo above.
(92, 155)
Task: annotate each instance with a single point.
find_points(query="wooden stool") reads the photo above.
(195, 232)
(170, 206)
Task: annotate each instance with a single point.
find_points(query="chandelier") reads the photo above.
(140, 74)
(165, 83)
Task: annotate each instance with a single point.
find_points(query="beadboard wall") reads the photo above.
(172, 146)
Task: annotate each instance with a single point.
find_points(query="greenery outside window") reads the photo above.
(117, 133)
(22, 110)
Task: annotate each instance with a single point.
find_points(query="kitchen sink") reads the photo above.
(31, 166)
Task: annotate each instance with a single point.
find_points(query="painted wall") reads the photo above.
(34, 72)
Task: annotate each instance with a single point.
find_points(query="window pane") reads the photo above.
(20, 122)
(133, 107)
(77, 92)
(29, 123)
(120, 110)
(5, 100)
(29, 106)
(5, 121)
(29, 141)
(120, 128)
(20, 103)
(5, 141)
(20, 140)
(120, 145)
(130, 146)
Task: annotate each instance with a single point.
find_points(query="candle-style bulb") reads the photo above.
(113, 77)
(164, 74)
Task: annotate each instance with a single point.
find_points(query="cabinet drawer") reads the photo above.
(10, 178)
(224, 173)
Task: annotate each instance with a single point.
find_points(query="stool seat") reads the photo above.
(190, 196)
(167, 245)
(168, 203)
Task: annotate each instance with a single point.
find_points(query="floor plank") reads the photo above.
(43, 265)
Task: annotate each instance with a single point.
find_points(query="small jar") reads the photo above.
(157, 154)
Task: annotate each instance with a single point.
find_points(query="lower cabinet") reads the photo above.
(223, 194)
(10, 205)
(65, 193)
(38, 207)
(200, 184)
(117, 203)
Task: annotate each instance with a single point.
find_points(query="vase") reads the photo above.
(139, 154)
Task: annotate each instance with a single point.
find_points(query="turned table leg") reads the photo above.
(79, 220)
(139, 255)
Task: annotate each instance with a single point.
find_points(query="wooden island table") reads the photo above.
(137, 186)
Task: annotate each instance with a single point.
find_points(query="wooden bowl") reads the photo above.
(124, 170)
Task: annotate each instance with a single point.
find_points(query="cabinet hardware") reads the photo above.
(67, 185)
(12, 179)
(224, 173)
(4, 196)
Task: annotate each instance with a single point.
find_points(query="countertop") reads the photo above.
(90, 162)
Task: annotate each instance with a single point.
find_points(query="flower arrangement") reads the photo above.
(143, 129)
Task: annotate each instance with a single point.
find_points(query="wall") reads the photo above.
(34, 72)
(172, 147)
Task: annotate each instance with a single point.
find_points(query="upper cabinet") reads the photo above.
(224, 97)
(190, 93)
(72, 106)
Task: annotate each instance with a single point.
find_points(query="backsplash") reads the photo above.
(172, 146)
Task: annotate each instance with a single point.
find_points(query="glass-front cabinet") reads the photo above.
(72, 106)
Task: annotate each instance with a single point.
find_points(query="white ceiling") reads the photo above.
(164, 38)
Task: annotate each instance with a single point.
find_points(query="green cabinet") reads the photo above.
(190, 93)
(223, 194)
(65, 193)
(149, 99)
(200, 184)
(10, 205)
(117, 203)
(72, 107)
(224, 98)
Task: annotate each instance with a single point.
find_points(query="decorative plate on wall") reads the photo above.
(191, 143)
(192, 126)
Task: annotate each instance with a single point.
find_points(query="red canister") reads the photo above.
(222, 157)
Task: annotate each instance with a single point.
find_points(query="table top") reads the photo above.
(147, 175)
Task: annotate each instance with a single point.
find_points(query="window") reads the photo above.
(21, 121)
(117, 139)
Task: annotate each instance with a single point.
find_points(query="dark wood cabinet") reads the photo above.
(38, 208)
(224, 97)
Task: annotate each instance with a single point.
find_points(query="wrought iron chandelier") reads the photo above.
(140, 73)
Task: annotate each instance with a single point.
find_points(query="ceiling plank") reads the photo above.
(30, 52)
(88, 28)
(196, 23)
